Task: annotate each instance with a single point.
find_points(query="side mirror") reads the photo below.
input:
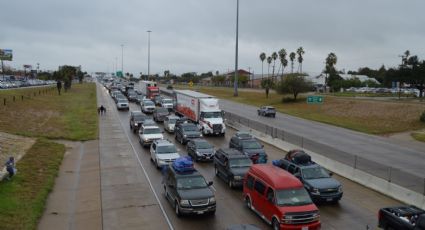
(210, 183)
(331, 173)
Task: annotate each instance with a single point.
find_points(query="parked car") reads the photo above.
(163, 153)
(200, 150)
(231, 165)
(186, 131)
(122, 104)
(402, 218)
(267, 111)
(188, 192)
(316, 179)
(149, 133)
(148, 106)
(279, 198)
(160, 113)
(170, 122)
(136, 120)
(248, 145)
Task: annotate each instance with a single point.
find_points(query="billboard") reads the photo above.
(6, 55)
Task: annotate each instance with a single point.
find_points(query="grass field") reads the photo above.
(22, 199)
(71, 116)
(368, 116)
(420, 136)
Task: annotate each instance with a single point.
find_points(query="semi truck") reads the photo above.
(149, 88)
(202, 109)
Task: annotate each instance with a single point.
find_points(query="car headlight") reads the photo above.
(184, 135)
(237, 177)
(315, 191)
(212, 200)
(145, 139)
(200, 135)
(184, 202)
(135, 124)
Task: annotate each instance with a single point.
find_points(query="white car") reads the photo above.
(163, 152)
(122, 105)
(148, 134)
(167, 103)
(170, 123)
(148, 106)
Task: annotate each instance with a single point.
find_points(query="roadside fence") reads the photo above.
(7, 98)
(389, 173)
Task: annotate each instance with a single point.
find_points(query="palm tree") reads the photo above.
(283, 62)
(331, 60)
(292, 58)
(274, 56)
(300, 52)
(262, 58)
(269, 61)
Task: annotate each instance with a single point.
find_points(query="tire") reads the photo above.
(177, 209)
(275, 224)
(248, 203)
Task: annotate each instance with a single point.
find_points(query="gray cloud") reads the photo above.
(195, 35)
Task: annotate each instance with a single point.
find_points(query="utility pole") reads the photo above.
(249, 70)
(122, 59)
(235, 84)
(149, 51)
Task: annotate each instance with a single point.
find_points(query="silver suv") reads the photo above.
(163, 152)
(148, 133)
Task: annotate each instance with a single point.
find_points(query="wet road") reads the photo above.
(357, 209)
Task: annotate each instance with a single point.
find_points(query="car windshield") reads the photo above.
(251, 144)
(122, 101)
(314, 173)
(139, 117)
(148, 103)
(190, 128)
(172, 120)
(212, 114)
(162, 110)
(166, 149)
(192, 182)
(167, 101)
(203, 145)
(270, 109)
(240, 162)
(152, 131)
(292, 197)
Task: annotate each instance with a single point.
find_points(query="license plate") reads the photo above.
(200, 212)
(329, 199)
(207, 158)
(304, 228)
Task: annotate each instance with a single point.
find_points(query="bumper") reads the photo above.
(122, 107)
(205, 157)
(209, 131)
(198, 210)
(310, 226)
(326, 198)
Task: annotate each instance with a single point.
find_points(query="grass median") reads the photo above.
(22, 199)
(70, 116)
(368, 116)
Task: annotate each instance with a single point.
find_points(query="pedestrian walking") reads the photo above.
(11, 168)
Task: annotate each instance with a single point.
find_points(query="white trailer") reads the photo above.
(202, 109)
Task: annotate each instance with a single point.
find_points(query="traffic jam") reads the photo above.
(284, 193)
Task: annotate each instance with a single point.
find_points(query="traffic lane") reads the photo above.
(368, 146)
(230, 206)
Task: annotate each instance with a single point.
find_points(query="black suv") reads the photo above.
(186, 131)
(231, 165)
(200, 149)
(248, 145)
(188, 192)
(316, 179)
(136, 119)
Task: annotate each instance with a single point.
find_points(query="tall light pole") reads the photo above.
(149, 52)
(235, 84)
(122, 60)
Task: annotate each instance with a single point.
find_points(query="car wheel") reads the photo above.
(275, 224)
(248, 203)
(177, 209)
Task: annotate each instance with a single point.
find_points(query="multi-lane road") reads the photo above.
(357, 209)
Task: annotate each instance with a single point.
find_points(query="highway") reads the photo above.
(357, 209)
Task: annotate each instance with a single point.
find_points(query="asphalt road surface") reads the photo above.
(357, 209)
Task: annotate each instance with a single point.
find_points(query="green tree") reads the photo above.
(292, 58)
(262, 58)
(269, 61)
(294, 84)
(283, 60)
(274, 57)
(333, 79)
(267, 84)
(300, 52)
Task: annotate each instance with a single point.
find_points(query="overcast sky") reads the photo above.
(199, 35)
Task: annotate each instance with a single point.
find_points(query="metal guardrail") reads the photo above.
(389, 173)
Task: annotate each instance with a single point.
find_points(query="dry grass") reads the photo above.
(71, 116)
(369, 116)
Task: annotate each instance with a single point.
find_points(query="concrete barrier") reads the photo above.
(378, 184)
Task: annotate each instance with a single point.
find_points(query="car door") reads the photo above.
(232, 143)
(269, 204)
(153, 150)
(258, 198)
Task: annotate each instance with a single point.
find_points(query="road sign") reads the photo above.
(6, 55)
(190, 83)
(315, 100)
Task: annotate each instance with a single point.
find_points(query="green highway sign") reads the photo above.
(315, 100)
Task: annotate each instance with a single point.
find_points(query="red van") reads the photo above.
(279, 198)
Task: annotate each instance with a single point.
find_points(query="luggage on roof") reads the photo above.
(298, 157)
(183, 165)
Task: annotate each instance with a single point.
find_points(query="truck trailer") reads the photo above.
(202, 109)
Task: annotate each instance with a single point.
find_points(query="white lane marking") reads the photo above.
(144, 171)
(213, 188)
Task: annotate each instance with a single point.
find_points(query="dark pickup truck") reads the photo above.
(402, 218)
